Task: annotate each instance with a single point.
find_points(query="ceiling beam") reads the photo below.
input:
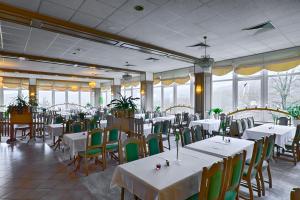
(37, 20)
(51, 74)
(64, 62)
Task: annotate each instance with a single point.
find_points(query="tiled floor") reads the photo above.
(35, 171)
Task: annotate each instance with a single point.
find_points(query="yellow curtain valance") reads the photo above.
(14, 83)
(62, 85)
(130, 84)
(282, 66)
(167, 82)
(156, 81)
(105, 88)
(221, 71)
(247, 70)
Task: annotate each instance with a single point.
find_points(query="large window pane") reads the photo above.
(136, 93)
(73, 97)
(249, 93)
(128, 92)
(60, 98)
(9, 96)
(85, 98)
(283, 90)
(103, 101)
(168, 97)
(222, 95)
(25, 94)
(183, 94)
(45, 98)
(156, 97)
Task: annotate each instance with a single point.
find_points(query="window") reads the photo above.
(168, 97)
(9, 96)
(249, 93)
(222, 95)
(45, 98)
(85, 98)
(60, 98)
(156, 97)
(136, 93)
(25, 94)
(183, 94)
(103, 101)
(73, 97)
(128, 92)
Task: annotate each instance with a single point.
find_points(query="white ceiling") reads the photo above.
(172, 24)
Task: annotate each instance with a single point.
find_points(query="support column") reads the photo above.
(116, 88)
(203, 92)
(147, 92)
(32, 89)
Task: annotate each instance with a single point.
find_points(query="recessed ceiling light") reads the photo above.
(139, 8)
(22, 58)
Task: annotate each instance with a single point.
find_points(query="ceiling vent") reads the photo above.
(260, 28)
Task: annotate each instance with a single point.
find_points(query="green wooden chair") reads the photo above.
(165, 131)
(129, 150)
(112, 145)
(212, 182)
(58, 120)
(250, 170)
(234, 173)
(186, 136)
(156, 128)
(292, 148)
(153, 143)
(95, 146)
(76, 127)
(197, 133)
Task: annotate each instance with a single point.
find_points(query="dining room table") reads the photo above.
(283, 133)
(209, 125)
(222, 146)
(54, 130)
(180, 180)
(164, 118)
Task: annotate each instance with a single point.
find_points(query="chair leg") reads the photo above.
(262, 182)
(250, 188)
(269, 175)
(86, 167)
(122, 193)
(258, 185)
(169, 142)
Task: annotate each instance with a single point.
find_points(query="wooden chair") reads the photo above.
(284, 121)
(129, 150)
(292, 148)
(250, 170)
(95, 146)
(153, 143)
(295, 194)
(185, 136)
(244, 124)
(112, 144)
(239, 126)
(185, 119)
(212, 182)
(251, 122)
(234, 172)
(197, 133)
(177, 123)
(156, 128)
(165, 132)
(77, 127)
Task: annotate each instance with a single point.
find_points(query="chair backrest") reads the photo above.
(244, 124)
(185, 117)
(250, 122)
(234, 172)
(177, 119)
(165, 127)
(296, 139)
(153, 142)
(267, 140)
(295, 194)
(270, 142)
(212, 181)
(131, 149)
(76, 127)
(113, 135)
(58, 120)
(186, 137)
(156, 128)
(197, 133)
(239, 125)
(284, 121)
(96, 139)
(256, 156)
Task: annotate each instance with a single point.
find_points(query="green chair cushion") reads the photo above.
(113, 146)
(90, 152)
(132, 152)
(153, 146)
(230, 195)
(113, 135)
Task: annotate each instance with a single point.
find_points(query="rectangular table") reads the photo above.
(217, 147)
(55, 130)
(161, 119)
(283, 133)
(178, 181)
(208, 124)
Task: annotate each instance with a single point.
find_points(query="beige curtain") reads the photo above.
(14, 83)
(131, 84)
(221, 70)
(62, 85)
(248, 70)
(283, 65)
(156, 81)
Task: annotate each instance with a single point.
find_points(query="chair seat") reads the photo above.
(112, 146)
(230, 195)
(90, 152)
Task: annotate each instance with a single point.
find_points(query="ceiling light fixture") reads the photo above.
(92, 84)
(21, 58)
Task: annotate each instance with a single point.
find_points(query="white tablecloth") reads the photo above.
(76, 142)
(178, 181)
(141, 115)
(168, 117)
(207, 124)
(283, 133)
(103, 123)
(217, 147)
(55, 129)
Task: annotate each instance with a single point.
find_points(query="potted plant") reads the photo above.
(294, 111)
(18, 106)
(123, 107)
(216, 112)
